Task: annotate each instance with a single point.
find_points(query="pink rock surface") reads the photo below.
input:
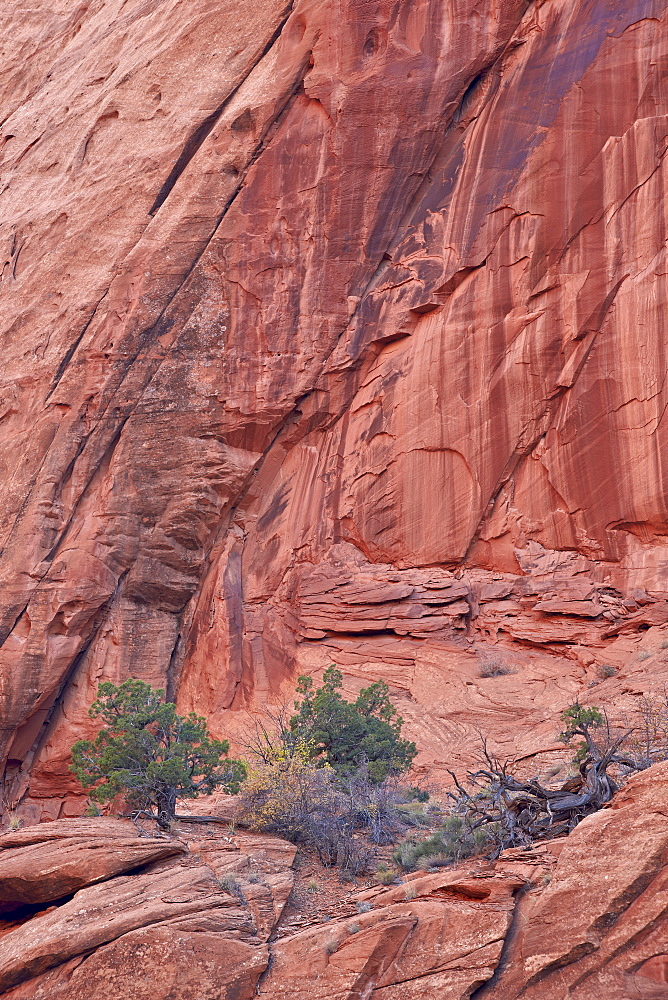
(53, 860)
(583, 917)
(187, 928)
(331, 333)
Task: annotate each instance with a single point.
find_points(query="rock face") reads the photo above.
(581, 918)
(56, 859)
(190, 927)
(332, 332)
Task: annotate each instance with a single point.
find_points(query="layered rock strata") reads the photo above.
(193, 926)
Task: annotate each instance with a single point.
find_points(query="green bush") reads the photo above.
(580, 721)
(454, 841)
(345, 734)
(331, 771)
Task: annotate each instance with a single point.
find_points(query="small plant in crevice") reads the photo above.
(417, 814)
(385, 875)
(417, 794)
(363, 906)
(230, 885)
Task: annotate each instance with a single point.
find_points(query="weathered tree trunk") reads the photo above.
(165, 801)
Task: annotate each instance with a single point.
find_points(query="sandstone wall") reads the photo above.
(333, 331)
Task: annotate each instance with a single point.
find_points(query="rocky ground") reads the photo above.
(93, 911)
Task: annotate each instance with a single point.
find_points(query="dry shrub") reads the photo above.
(493, 664)
(648, 741)
(605, 670)
(297, 798)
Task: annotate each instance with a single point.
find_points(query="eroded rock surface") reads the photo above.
(53, 860)
(332, 332)
(583, 917)
(190, 926)
(599, 929)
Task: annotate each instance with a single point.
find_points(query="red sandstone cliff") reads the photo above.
(331, 332)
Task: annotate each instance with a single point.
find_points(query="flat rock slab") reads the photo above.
(106, 828)
(53, 860)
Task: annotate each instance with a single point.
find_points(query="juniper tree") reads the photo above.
(149, 754)
(346, 734)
